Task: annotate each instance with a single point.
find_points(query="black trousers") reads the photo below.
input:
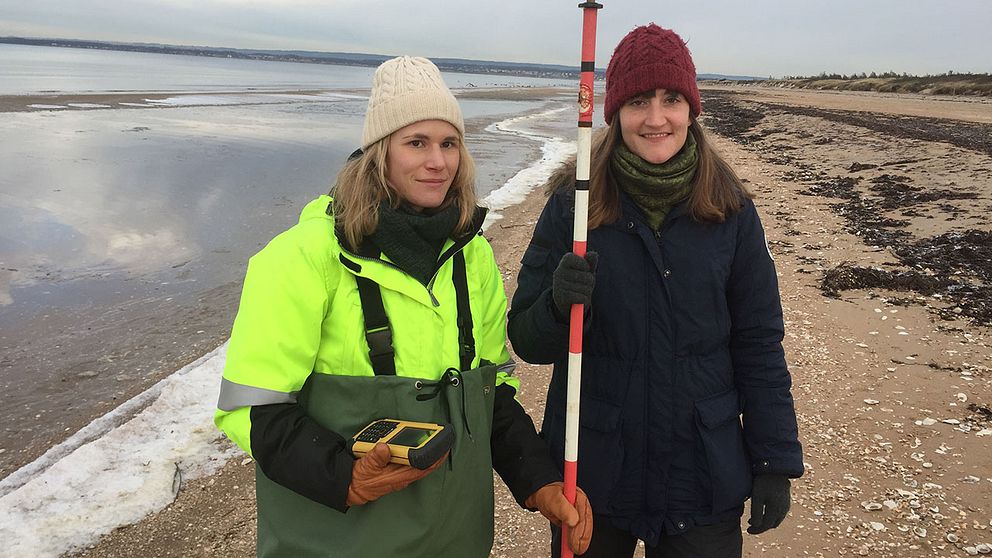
(723, 540)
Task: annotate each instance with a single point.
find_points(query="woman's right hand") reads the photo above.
(373, 476)
(573, 281)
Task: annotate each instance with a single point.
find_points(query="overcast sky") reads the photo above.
(757, 38)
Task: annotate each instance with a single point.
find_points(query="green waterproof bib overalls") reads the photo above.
(447, 513)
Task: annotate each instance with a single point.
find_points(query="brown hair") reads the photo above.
(716, 189)
(361, 186)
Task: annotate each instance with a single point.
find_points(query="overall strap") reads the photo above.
(466, 341)
(379, 335)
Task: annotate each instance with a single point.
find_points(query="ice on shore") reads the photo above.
(554, 152)
(248, 99)
(119, 468)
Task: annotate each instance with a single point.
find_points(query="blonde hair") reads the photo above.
(361, 186)
(716, 189)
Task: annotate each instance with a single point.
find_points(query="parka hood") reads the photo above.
(319, 208)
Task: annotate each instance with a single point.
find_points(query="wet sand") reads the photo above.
(891, 377)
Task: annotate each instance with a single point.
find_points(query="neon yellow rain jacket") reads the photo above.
(300, 312)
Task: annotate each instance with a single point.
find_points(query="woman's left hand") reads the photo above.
(770, 500)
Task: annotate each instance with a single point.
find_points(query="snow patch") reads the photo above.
(554, 152)
(117, 469)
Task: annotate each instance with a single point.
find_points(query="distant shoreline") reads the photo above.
(486, 67)
(950, 84)
(457, 65)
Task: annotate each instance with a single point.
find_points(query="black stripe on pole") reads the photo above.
(588, 66)
(585, 124)
(581, 184)
(595, 5)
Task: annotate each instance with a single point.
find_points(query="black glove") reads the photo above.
(573, 281)
(769, 503)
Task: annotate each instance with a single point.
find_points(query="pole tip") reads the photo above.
(593, 5)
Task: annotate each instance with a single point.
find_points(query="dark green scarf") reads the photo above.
(413, 240)
(656, 188)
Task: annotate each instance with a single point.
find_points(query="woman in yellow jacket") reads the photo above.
(385, 302)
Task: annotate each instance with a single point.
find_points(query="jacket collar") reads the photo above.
(630, 214)
(368, 250)
(368, 261)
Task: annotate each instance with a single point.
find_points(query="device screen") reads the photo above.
(411, 437)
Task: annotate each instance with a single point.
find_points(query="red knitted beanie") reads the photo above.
(650, 57)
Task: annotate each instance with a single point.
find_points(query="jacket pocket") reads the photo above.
(600, 447)
(719, 426)
(535, 255)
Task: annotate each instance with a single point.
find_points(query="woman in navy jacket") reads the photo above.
(686, 406)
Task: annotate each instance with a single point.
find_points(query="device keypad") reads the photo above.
(375, 432)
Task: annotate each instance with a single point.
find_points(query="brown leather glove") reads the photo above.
(550, 501)
(373, 476)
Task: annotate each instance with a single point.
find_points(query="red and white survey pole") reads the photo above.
(584, 146)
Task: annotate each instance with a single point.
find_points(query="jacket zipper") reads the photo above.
(456, 247)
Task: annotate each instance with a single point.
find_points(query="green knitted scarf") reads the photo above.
(656, 188)
(413, 240)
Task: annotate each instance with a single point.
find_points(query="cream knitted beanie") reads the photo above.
(406, 90)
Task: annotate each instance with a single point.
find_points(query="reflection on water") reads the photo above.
(95, 202)
(128, 193)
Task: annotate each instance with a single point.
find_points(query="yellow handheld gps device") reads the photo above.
(418, 444)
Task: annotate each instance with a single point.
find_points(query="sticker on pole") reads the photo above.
(585, 99)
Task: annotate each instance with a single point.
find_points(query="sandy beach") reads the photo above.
(876, 212)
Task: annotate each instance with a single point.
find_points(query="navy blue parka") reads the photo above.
(685, 389)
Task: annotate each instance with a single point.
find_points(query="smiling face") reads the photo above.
(421, 161)
(654, 124)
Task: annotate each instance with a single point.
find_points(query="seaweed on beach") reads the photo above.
(833, 187)
(949, 264)
(954, 267)
(983, 412)
(896, 192)
(857, 166)
(954, 253)
(728, 118)
(726, 115)
(969, 300)
(864, 219)
(969, 135)
(864, 216)
(847, 276)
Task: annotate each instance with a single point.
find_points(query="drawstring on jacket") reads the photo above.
(451, 377)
